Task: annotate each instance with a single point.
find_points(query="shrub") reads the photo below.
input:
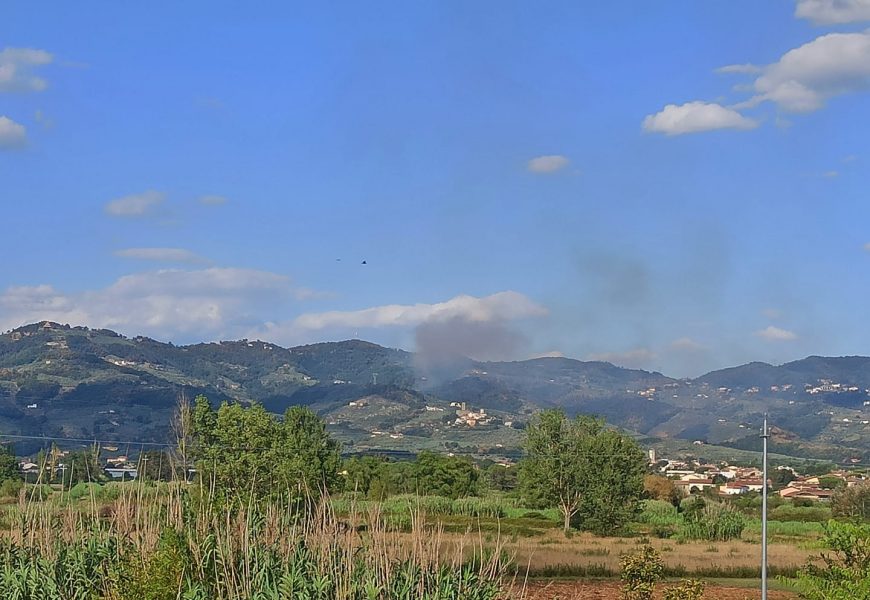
(37, 493)
(716, 522)
(688, 589)
(10, 488)
(640, 572)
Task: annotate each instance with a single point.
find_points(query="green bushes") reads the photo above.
(715, 522)
(10, 488)
(803, 514)
(845, 574)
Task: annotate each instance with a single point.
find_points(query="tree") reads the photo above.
(657, 487)
(439, 475)
(852, 503)
(247, 450)
(502, 478)
(583, 469)
(831, 482)
(8, 463)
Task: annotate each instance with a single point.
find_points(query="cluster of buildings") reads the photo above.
(693, 477)
(810, 488)
(470, 418)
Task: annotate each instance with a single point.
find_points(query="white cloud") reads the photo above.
(805, 77)
(775, 334)
(16, 66)
(635, 359)
(693, 117)
(831, 12)
(497, 307)
(212, 200)
(160, 254)
(12, 134)
(548, 164)
(550, 354)
(135, 205)
(167, 304)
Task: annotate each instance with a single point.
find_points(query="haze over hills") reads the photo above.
(75, 382)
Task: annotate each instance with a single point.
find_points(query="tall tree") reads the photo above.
(248, 450)
(585, 470)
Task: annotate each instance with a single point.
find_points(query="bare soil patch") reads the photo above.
(610, 590)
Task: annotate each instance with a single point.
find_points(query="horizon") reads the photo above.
(445, 178)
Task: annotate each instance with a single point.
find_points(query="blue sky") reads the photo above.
(521, 179)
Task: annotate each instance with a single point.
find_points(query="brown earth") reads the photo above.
(610, 590)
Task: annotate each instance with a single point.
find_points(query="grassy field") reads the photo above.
(122, 529)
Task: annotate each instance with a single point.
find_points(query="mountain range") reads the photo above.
(74, 382)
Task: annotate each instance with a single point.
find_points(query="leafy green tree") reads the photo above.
(592, 474)
(8, 463)
(845, 574)
(501, 478)
(439, 475)
(831, 483)
(363, 474)
(247, 450)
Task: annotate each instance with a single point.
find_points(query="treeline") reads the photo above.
(591, 473)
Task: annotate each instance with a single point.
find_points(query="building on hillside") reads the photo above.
(694, 485)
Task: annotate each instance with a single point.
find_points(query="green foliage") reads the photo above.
(640, 572)
(161, 577)
(10, 488)
(8, 463)
(592, 474)
(440, 475)
(852, 503)
(804, 514)
(82, 466)
(846, 571)
(831, 483)
(688, 589)
(715, 522)
(198, 565)
(248, 452)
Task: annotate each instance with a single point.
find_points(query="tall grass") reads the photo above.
(175, 542)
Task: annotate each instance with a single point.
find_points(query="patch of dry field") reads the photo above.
(586, 550)
(610, 590)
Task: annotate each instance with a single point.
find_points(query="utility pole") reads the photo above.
(765, 434)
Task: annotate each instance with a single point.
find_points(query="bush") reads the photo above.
(803, 514)
(640, 572)
(10, 488)
(688, 589)
(716, 522)
(37, 493)
(846, 573)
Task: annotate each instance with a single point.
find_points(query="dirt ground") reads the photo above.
(610, 590)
